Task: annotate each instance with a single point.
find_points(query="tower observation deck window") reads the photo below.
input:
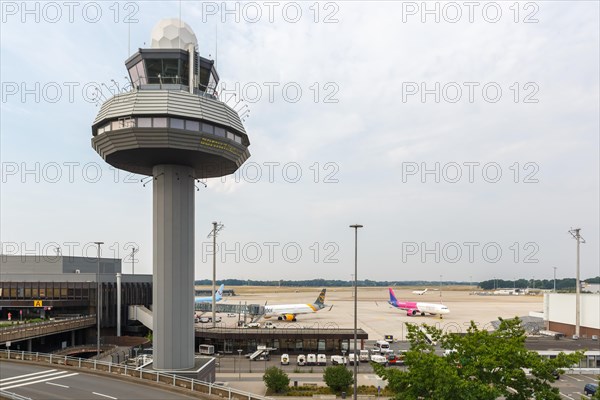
(137, 74)
(177, 123)
(219, 131)
(192, 125)
(164, 122)
(144, 122)
(167, 71)
(159, 122)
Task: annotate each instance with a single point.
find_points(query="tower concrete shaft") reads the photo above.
(173, 267)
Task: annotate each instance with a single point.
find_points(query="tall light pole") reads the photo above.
(554, 279)
(240, 364)
(577, 236)
(215, 230)
(355, 364)
(133, 251)
(98, 308)
(441, 288)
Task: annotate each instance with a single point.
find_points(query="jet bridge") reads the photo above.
(253, 310)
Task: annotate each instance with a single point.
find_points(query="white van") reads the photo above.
(364, 356)
(382, 347)
(338, 360)
(311, 359)
(351, 359)
(285, 359)
(321, 359)
(301, 360)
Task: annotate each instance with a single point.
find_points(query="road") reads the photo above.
(50, 382)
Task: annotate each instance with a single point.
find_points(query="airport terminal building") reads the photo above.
(43, 286)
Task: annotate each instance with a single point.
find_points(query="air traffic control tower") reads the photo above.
(171, 126)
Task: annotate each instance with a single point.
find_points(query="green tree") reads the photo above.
(480, 365)
(338, 378)
(276, 380)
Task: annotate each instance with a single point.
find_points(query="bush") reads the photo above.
(338, 378)
(276, 380)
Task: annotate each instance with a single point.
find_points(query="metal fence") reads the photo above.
(165, 379)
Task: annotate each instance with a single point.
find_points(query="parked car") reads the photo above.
(311, 359)
(285, 359)
(321, 359)
(301, 360)
(231, 315)
(270, 325)
(590, 389)
(338, 360)
(204, 320)
(252, 325)
(393, 359)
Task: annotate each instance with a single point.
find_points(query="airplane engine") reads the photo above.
(287, 317)
(411, 313)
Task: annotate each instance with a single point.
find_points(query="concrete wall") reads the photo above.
(47, 267)
(31, 265)
(36, 265)
(559, 311)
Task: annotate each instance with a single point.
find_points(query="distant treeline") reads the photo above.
(327, 283)
(561, 284)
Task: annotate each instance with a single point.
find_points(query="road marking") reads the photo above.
(33, 377)
(568, 397)
(569, 376)
(40, 381)
(26, 375)
(104, 395)
(57, 384)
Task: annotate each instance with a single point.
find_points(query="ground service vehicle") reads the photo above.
(351, 358)
(301, 360)
(379, 359)
(389, 338)
(364, 356)
(382, 346)
(338, 360)
(285, 359)
(311, 359)
(321, 359)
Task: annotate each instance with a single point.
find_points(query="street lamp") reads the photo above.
(355, 373)
(240, 364)
(98, 301)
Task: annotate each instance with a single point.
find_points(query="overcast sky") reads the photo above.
(464, 137)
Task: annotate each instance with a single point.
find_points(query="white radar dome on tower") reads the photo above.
(172, 33)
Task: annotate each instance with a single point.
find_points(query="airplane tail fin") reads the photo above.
(320, 302)
(425, 291)
(219, 294)
(393, 301)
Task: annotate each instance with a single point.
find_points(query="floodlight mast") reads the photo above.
(217, 227)
(576, 233)
(172, 128)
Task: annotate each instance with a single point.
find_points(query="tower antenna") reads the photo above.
(216, 44)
